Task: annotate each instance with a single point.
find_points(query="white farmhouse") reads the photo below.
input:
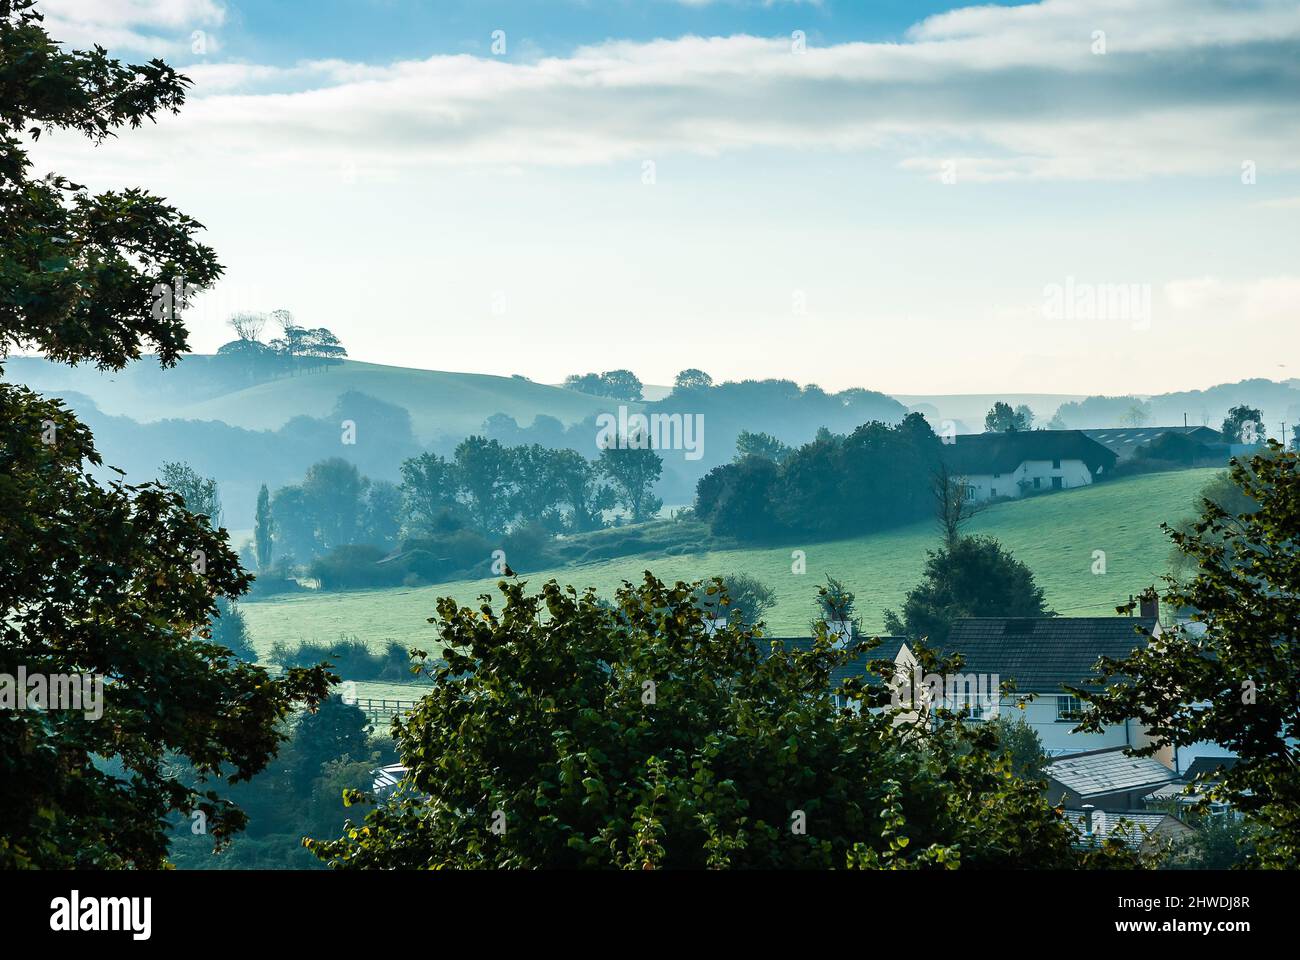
(993, 465)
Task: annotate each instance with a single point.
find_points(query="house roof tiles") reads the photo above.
(887, 649)
(1141, 825)
(1042, 653)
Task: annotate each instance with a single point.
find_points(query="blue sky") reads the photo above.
(882, 194)
(283, 32)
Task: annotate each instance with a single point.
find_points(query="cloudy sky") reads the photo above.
(1073, 196)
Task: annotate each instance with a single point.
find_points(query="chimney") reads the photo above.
(1150, 605)
(1088, 810)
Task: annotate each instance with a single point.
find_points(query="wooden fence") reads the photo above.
(382, 711)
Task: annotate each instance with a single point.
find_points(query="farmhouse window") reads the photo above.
(1065, 706)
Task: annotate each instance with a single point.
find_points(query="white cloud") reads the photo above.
(1186, 87)
(156, 27)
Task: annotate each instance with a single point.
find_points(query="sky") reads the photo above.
(913, 197)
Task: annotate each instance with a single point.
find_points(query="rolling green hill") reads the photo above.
(1055, 535)
(440, 403)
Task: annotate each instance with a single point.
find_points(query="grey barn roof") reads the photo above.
(1042, 653)
(1101, 772)
(1124, 441)
(977, 454)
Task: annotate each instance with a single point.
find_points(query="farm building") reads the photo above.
(993, 465)
(1125, 442)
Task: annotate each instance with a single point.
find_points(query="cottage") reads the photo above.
(1013, 464)
(1045, 654)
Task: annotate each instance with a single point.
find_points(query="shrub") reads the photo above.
(229, 629)
(355, 566)
(351, 658)
(529, 547)
(442, 557)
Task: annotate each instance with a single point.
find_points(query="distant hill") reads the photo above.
(967, 410)
(1276, 400)
(440, 403)
(203, 387)
(208, 412)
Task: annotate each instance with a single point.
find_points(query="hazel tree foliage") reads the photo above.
(567, 732)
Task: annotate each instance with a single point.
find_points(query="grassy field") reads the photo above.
(1054, 534)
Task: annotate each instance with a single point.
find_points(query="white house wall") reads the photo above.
(1073, 473)
(1056, 736)
(1040, 714)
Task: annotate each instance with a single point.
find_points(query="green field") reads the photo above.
(1054, 534)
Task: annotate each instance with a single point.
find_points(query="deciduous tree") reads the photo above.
(564, 733)
(975, 577)
(633, 471)
(1231, 676)
(115, 581)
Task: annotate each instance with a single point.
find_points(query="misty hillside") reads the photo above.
(967, 410)
(1276, 401)
(206, 412)
(203, 387)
